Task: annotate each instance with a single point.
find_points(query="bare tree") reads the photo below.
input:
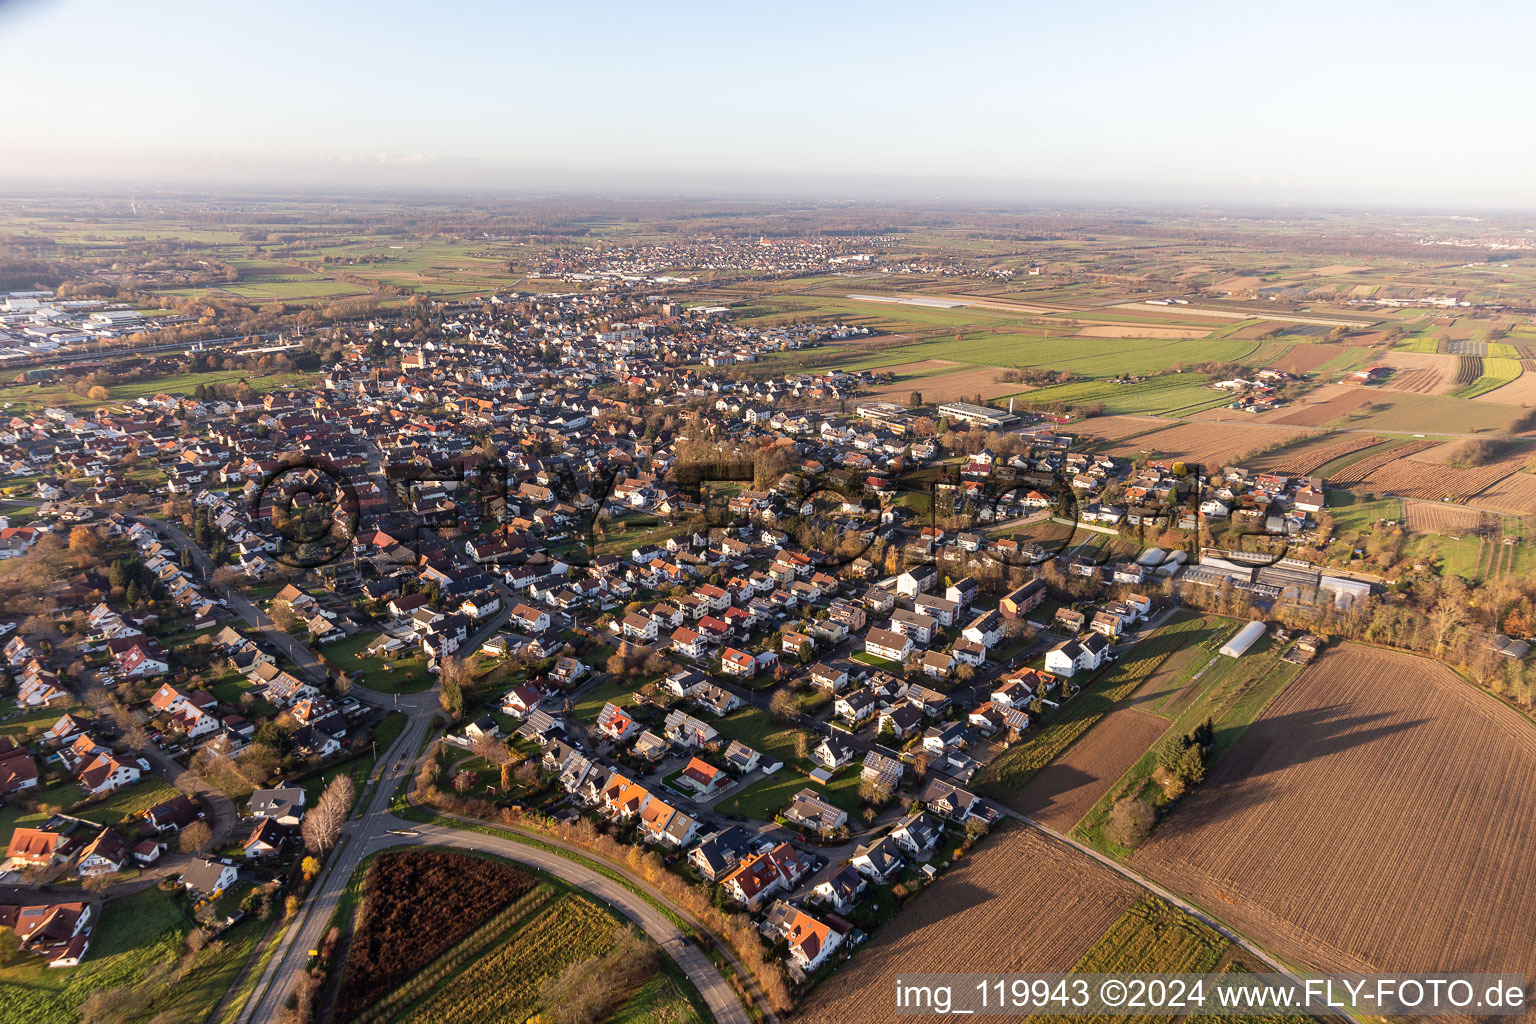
(195, 837)
(491, 749)
(322, 825)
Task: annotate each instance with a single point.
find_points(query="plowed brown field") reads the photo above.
(1021, 903)
(1421, 373)
(1426, 475)
(1440, 517)
(1315, 415)
(1356, 472)
(1213, 443)
(1379, 816)
(1308, 357)
(1515, 494)
(1065, 789)
(1303, 460)
(1112, 428)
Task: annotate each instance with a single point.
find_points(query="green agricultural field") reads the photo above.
(134, 936)
(302, 285)
(1173, 394)
(1229, 692)
(892, 317)
(1090, 357)
(32, 398)
(129, 802)
(406, 674)
(1496, 373)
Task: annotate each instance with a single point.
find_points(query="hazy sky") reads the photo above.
(1389, 102)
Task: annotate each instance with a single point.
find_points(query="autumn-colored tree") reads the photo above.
(310, 867)
(782, 704)
(83, 539)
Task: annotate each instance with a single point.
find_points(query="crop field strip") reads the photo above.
(503, 984)
(495, 930)
(1307, 357)
(1307, 458)
(1515, 495)
(1207, 686)
(1211, 443)
(1006, 776)
(1338, 832)
(975, 918)
(1495, 374)
(1115, 428)
(1062, 791)
(1358, 471)
(1433, 481)
(1318, 413)
(1441, 518)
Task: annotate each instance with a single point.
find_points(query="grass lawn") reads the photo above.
(58, 794)
(621, 536)
(43, 717)
(401, 675)
(130, 801)
(759, 730)
(767, 797)
(133, 936)
(875, 661)
(591, 703)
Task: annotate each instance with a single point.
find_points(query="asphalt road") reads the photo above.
(299, 654)
(376, 829)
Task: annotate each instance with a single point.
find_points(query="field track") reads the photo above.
(1021, 903)
(1379, 816)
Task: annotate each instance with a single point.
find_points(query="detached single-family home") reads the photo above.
(878, 861)
(208, 877)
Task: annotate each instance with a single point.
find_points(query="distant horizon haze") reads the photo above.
(1365, 104)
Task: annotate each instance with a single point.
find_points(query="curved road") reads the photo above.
(371, 831)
